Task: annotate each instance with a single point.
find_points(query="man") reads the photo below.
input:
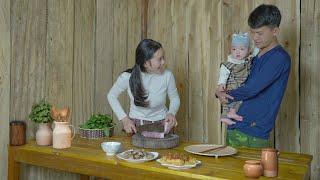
(264, 88)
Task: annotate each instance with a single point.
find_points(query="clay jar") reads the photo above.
(44, 134)
(62, 135)
(252, 168)
(17, 133)
(269, 161)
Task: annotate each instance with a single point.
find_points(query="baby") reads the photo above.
(234, 72)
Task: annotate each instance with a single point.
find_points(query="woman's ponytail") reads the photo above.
(136, 87)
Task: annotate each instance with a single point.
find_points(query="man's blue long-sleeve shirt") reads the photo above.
(262, 93)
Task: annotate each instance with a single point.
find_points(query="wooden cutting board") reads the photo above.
(169, 141)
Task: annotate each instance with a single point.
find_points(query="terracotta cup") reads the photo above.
(269, 161)
(252, 168)
(17, 133)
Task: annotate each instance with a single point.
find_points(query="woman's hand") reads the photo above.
(171, 119)
(128, 125)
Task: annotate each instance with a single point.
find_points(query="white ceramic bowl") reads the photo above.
(111, 148)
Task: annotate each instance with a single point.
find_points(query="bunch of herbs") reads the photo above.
(40, 112)
(98, 121)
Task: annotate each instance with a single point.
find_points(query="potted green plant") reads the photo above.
(97, 126)
(40, 114)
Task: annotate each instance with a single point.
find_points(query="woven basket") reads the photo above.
(94, 133)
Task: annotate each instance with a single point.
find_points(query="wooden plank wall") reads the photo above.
(191, 40)
(5, 56)
(310, 83)
(71, 51)
(28, 49)
(68, 52)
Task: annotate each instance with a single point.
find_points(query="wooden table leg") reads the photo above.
(84, 177)
(13, 166)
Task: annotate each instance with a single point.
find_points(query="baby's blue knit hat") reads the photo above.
(240, 39)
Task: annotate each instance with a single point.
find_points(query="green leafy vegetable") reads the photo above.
(99, 121)
(40, 112)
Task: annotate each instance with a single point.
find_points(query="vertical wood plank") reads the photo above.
(309, 83)
(59, 64)
(5, 57)
(28, 42)
(178, 64)
(13, 166)
(287, 133)
(104, 55)
(83, 62)
(144, 18)
(160, 26)
(153, 18)
(28, 31)
(134, 29)
(120, 43)
(206, 68)
(211, 67)
(196, 59)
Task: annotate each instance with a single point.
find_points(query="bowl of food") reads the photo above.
(111, 148)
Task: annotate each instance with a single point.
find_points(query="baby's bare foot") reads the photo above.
(234, 116)
(227, 121)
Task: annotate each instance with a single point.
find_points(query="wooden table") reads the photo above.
(87, 158)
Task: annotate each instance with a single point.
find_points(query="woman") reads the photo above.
(147, 83)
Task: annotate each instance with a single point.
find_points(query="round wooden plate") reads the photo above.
(196, 149)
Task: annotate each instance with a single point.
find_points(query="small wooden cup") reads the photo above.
(17, 133)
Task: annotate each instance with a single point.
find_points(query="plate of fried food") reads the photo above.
(137, 155)
(178, 161)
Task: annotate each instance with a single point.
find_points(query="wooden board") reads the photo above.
(5, 56)
(215, 133)
(196, 51)
(83, 72)
(120, 29)
(104, 55)
(309, 79)
(87, 157)
(59, 64)
(28, 49)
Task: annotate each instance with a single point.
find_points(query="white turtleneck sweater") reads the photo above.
(157, 86)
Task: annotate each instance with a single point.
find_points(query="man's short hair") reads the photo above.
(264, 15)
